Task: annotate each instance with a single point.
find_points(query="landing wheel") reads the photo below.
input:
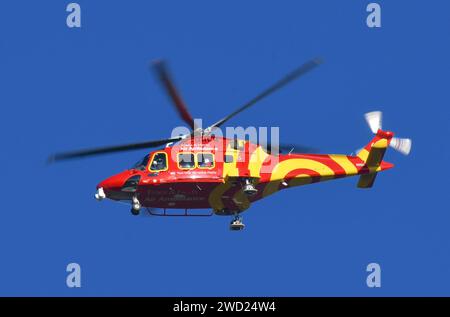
(237, 224)
(135, 206)
(135, 212)
(248, 188)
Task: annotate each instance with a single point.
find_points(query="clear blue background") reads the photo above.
(63, 89)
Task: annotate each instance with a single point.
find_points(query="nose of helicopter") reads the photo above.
(111, 183)
(115, 183)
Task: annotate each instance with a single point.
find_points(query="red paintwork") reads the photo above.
(177, 188)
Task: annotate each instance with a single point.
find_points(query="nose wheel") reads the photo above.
(237, 223)
(135, 206)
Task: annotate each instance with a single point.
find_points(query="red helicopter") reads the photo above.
(204, 170)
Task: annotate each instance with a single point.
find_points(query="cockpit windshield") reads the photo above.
(142, 164)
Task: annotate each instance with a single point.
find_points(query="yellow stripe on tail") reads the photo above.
(372, 155)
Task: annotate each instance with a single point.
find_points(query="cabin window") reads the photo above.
(205, 160)
(159, 162)
(142, 164)
(186, 160)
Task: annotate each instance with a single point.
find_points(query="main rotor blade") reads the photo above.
(282, 82)
(109, 149)
(165, 79)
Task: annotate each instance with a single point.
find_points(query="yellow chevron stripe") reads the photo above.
(215, 197)
(345, 163)
(230, 169)
(301, 179)
(241, 200)
(256, 161)
(381, 144)
(363, 154)
(285, 167)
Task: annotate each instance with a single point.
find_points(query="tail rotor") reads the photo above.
(374, 119)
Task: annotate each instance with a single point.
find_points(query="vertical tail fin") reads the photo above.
(379, 144)
(372, 155)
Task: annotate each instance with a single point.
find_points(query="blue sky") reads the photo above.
(67, 88)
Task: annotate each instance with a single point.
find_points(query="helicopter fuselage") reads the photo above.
(210, 173)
